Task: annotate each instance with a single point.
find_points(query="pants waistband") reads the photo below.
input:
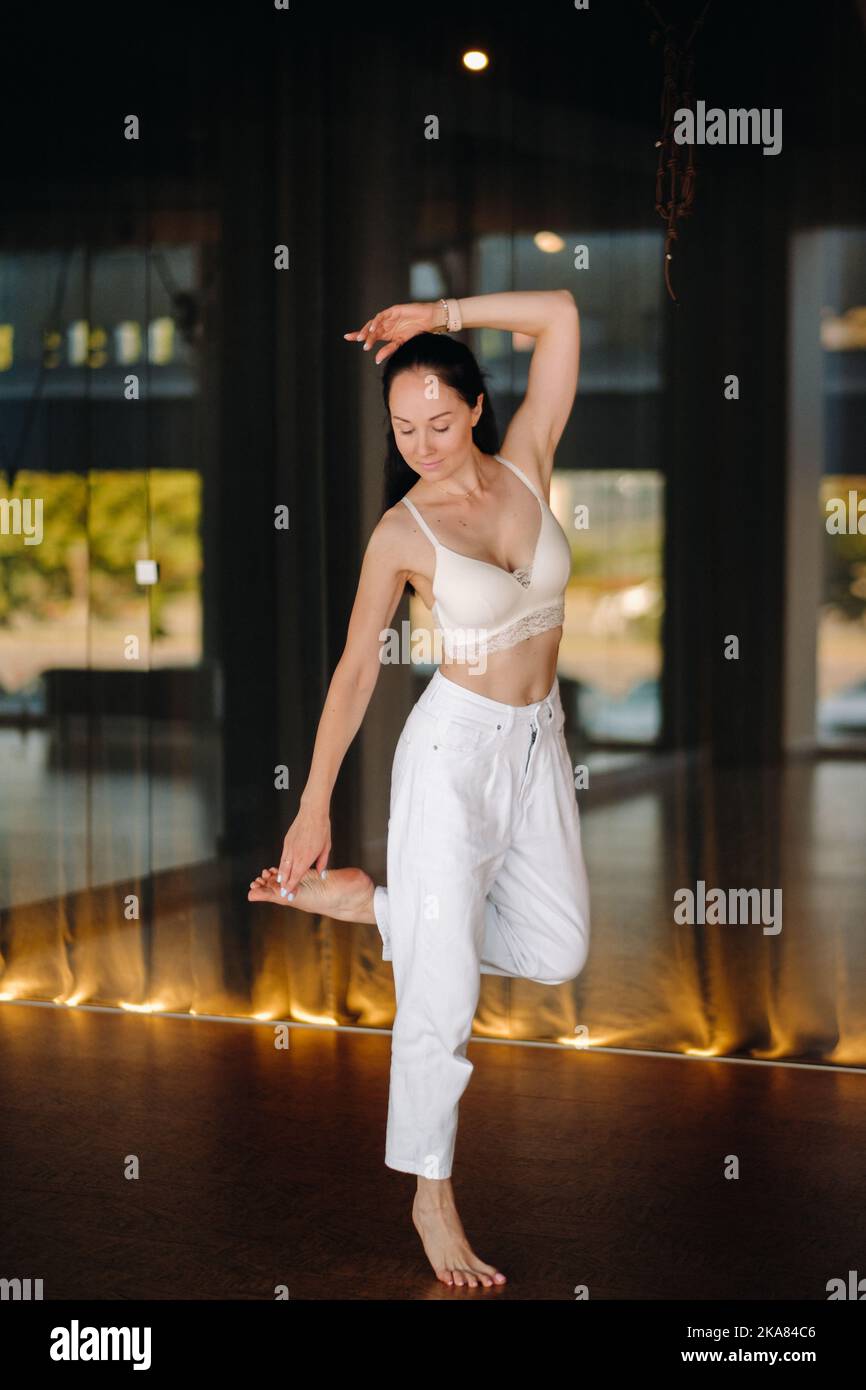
(441, 694)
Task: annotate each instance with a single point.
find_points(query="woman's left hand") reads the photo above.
(396, 325)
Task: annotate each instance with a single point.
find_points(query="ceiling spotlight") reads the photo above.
(548, 241)
(475, 60)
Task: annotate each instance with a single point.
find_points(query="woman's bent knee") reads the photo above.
(572, 958)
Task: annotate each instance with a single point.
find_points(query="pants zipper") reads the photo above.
(529, 754)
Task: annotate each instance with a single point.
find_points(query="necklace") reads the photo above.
(457, 494)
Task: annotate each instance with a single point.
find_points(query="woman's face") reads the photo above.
(432, 423)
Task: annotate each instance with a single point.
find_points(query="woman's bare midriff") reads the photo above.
(520, 675)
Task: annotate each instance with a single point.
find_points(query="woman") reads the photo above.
(485, 868)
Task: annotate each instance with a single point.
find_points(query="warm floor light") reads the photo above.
(301, 1016)
(548, 241)
(475, 60)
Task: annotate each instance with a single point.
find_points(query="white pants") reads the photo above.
(485, 876)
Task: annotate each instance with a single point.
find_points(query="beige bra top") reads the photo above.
(482, 607)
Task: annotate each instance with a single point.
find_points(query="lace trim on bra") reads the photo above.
(465, 644)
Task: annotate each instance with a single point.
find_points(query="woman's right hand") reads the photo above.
(307, 842)
(396, 326)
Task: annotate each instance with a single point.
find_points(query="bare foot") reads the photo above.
(344, 894)
(434, 1215)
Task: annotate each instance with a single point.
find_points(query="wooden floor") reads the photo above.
(260, 1168)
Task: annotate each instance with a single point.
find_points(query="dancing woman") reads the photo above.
(484, 862)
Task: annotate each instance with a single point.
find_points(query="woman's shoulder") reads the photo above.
(401, 516)
(397, 515)
(520, 455)
(393, 528)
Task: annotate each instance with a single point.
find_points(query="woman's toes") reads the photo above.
(262, 888)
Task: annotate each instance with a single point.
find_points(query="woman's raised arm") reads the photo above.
(550, 317)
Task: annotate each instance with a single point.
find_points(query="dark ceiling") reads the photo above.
(71, 76)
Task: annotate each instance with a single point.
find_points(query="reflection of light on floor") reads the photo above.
(158, 1007)
(314, 1018)
(492, 1033)
(323, 1020)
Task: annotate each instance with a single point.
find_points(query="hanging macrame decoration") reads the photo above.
(675, 184)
